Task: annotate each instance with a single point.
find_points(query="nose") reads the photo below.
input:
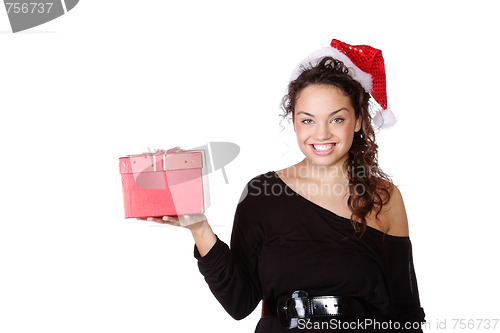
(322, 132)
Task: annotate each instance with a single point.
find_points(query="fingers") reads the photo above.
(177, 220)
(164, 220)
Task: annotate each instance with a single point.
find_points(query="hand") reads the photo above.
(187, 221)
(203, 235)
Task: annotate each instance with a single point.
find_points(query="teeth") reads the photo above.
(323, 147)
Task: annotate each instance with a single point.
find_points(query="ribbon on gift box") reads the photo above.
(147, 162)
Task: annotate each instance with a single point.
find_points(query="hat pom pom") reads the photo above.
(384, 118)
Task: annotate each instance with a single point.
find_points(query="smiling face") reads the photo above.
(324, 122)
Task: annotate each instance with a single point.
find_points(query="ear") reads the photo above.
(359, 122)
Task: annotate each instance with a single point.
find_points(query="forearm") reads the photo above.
(203, 236)
(236, 289)
(231, 273)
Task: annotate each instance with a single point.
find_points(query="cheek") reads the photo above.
(299, 134)
(302, 131)
(347, 130)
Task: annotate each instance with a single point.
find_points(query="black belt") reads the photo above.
(291, 307)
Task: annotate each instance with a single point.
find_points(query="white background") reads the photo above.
(113, 78)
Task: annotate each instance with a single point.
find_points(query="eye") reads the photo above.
(338, 120)
(305, 121)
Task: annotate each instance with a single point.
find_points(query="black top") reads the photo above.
(283, 242)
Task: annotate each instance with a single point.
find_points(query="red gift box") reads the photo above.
(164, 183)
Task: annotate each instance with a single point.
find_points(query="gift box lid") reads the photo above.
(161, 160)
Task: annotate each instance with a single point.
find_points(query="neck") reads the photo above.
(321, 173)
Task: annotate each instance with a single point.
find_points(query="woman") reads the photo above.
(323, 243)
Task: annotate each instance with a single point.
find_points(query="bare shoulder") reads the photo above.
(395, 215)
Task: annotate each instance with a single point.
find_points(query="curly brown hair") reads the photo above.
(362, 165)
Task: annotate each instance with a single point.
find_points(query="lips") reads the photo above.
(323, 148)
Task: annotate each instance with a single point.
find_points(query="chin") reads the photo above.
(326, 161)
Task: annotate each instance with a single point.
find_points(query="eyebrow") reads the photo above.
(331, 114)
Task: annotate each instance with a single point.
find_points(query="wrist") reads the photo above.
(199, 229)
(204, 237)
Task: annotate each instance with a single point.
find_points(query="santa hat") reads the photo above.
(366, 65)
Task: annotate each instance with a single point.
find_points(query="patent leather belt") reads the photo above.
(291, 307)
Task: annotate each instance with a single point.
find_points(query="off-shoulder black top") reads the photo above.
(283, 242)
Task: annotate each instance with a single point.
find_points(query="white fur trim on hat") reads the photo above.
(313, 59)
(384, 118)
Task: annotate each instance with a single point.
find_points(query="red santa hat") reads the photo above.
(366, 65)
